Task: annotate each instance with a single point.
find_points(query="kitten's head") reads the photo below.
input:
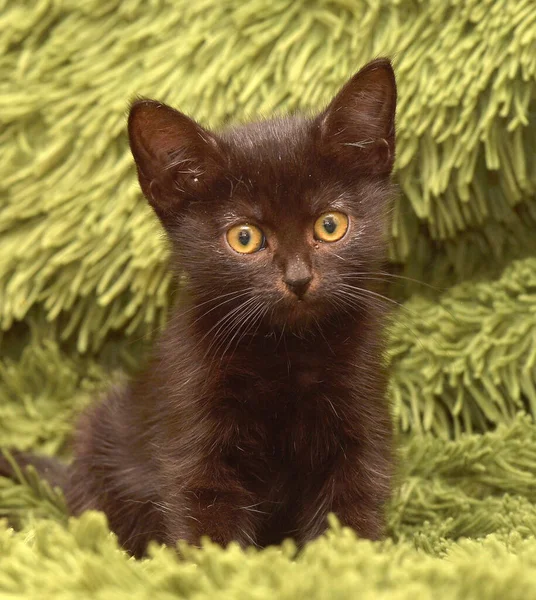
(286, 217)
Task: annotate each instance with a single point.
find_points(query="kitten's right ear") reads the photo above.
(175, 157)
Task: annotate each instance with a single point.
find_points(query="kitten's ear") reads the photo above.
(358, 127)
(175, 156)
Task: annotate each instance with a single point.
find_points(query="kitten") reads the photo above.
(263, 408)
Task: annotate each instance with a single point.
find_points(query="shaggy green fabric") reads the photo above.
(84, 283)
(466, 360)
(83, 562)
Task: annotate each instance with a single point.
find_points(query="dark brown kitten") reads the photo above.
(263, 408)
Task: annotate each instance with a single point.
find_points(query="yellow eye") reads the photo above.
(246, 239)
(331, 226)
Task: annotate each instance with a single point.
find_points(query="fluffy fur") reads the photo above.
(263, 407)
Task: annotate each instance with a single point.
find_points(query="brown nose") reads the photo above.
(298, 277)
(300, 286)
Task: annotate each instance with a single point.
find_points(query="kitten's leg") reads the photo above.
(218, 507)
(356, 490)
(107, 474)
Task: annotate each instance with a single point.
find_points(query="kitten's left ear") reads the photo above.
(358, 127)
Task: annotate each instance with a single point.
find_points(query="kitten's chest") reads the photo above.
(286, 409)
(272, 381)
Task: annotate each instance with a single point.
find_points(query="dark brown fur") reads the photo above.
(253, 425)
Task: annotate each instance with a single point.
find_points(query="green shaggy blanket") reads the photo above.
(84, 283)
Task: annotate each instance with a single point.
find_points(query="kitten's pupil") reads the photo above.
(329, 225)
(244, 237)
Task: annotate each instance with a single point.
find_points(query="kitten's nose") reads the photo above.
(298, 277)
(299, 286)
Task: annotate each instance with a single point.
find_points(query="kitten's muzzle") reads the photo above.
(297, 274)
(298, 285)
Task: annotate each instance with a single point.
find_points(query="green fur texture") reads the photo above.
(85, 284)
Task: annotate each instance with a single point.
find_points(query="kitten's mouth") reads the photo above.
(297, 311)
